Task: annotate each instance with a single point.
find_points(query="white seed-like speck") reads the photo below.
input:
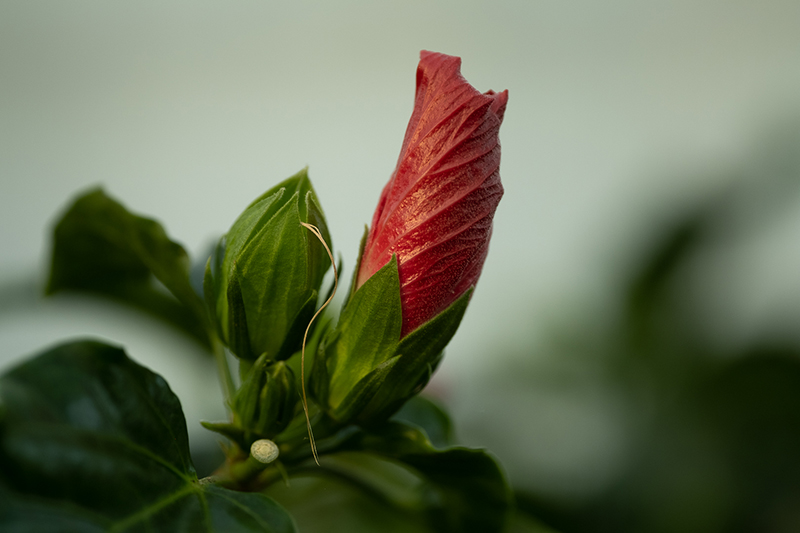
(264, 451)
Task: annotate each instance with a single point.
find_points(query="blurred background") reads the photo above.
(632, 352)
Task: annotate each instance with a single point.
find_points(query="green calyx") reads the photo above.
(263, 406)
(265, 403)
(364, 371)
(262, 282)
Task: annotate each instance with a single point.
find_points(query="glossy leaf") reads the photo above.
(465, 488)
(91, 441)
(325, 503)
(430, 417)
(101, 247)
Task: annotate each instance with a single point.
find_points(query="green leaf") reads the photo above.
(91, 441)
(325, 503)
(465, 488)
(430, 417)
(101, 247)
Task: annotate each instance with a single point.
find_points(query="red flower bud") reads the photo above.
(436, 211)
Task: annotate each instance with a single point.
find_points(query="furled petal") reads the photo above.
(436, 211)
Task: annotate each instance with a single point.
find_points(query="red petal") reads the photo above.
(436, 211)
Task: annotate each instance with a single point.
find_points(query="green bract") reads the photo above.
(262, 282)
(264, 405)
(364, 371)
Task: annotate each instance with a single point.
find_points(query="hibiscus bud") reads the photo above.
(264, 404)
(436, 211)
(423, 253)
(262, 282)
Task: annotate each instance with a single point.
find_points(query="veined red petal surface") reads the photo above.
(436, 211)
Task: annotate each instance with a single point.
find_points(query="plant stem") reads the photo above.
(244, 472)
(296, 450)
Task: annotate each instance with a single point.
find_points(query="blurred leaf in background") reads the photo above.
(649, 416)
(394, 478)
(102, 248)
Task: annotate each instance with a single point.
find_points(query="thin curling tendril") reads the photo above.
(313, 229)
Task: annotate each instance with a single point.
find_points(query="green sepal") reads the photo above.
(463, 489)
(246, 402)
(418, 354)
(93, 441)
(431, 337)
(230, 431)
(101, 247)
(358, 402)
(319, 380)
(294, 337)
(271, 274)
(365, 372)
(365, 337)
(279, 397)
(354, 277)
(265, 403)
(267, 284)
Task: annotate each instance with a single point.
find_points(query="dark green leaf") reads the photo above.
(101, 247)
(91, 441)
(323, 503)
(466, 488)
(425, 413)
